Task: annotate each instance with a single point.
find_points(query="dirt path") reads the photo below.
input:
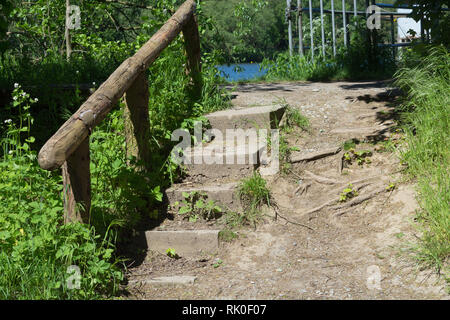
(359, 254)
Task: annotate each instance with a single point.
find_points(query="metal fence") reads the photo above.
(297, 11)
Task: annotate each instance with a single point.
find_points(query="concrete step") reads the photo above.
(217, 160)
(224, 194)
(164, 281)
(262, 117)
(187, 243)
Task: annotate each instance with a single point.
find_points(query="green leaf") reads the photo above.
(4, 235)
(200, 204)
(184, 210)
(185, 194)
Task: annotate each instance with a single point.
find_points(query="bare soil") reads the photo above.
(359, 252)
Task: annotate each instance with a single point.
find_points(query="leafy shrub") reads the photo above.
(35, 249)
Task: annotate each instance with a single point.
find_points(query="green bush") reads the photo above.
(36, 250)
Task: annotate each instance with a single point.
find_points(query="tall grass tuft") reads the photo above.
(427, 116)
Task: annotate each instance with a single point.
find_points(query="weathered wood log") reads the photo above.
(193, 65)
(75, 130)
(77, 185)
(136, 121)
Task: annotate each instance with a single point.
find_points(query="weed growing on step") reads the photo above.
(254, 193)
(295, 118)
(196, 205)
(171, 253)
(227, 235)
(291, 119)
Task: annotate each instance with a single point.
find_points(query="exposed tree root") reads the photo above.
(303, 189)
(315, 155)
(367, 115)
(277, 214)
(326, 204)
(320, 179)
(344, 208)
(333, 201)
(341, 162)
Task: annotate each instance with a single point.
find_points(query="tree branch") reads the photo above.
(127, 4)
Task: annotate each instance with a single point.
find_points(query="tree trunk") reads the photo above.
(67, 33)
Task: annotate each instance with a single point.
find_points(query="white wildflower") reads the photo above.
(36, 100)
(16, 85)
(8, 121)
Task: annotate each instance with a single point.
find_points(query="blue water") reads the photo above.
(247, 71)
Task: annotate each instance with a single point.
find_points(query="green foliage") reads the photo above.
(295, 118)
(253, 193)
(361, 157)
(350, 63)
(227, 235)
(348, 193)
(292, 119)
(245, 31)
(349, 144)
(120, 192)
(35, 249)
(426, 124)
(390, 187)
(196, 205)
(427, 11)
(218, 263)
(172, 253)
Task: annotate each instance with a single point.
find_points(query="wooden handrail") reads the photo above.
(69, 146)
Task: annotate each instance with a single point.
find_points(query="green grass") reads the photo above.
(295, 118)
(254, 193)
(427, 116)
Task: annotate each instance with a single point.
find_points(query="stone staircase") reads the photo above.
(218, 181)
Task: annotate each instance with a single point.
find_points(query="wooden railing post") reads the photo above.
(137, 123)
(193, 65)
(77, 185)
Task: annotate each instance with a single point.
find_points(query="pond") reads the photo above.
(247, 71)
